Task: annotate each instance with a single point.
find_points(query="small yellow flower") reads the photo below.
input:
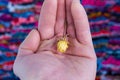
(62, 45)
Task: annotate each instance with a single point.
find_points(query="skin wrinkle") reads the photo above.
(72, 63)
(55, 72)
(57, 67)
(66, 66)
(78, 62)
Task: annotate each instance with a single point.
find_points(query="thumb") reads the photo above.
(30, 44)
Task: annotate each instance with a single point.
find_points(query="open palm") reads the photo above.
(38, 58)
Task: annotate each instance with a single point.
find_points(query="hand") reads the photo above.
(38, 58)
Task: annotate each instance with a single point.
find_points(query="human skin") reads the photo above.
(38, 58)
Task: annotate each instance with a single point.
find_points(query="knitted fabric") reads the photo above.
(18, 17)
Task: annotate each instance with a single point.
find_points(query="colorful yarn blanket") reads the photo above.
(18, 17)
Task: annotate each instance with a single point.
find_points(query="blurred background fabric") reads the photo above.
(18, 17)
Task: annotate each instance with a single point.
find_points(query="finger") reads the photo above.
(59, 28)
(81, 23)
(30, 44)
(47, 19)
(70, 29)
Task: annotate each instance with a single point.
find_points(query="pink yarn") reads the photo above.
(94, 2)
(111, 60)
